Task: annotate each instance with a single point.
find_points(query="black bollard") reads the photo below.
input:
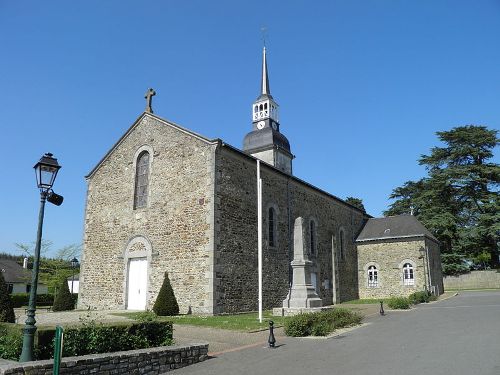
(271, 339)
(382, 312)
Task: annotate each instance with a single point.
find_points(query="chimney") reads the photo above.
(25, 263)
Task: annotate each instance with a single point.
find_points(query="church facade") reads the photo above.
(165, 199)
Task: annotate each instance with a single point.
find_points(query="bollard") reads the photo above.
(382, 312)
(271, 339)
(58, 346)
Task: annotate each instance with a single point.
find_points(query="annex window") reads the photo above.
(342, 245)
(312, 228)
(272, 227)
(408, 275)
(372, 277)
(141, 180)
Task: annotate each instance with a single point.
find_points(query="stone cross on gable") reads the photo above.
(149, 99)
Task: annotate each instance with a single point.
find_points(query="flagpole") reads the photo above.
(259, 235)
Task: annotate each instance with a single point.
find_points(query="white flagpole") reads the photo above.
(259, 235)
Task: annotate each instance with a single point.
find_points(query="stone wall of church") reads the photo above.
(389, 258)
(236, 284)
(174, 232)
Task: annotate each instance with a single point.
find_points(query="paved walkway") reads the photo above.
(220, 340)
(456, 336)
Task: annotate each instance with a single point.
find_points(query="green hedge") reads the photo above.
(88, 339)
(11, 341)
(421, 297)
(22, 299)
(320, 323)
(398, 303)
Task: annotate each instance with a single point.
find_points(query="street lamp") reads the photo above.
(46, 171)
(74, 264)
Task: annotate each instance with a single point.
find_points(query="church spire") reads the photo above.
(265, 90)
(265, 141)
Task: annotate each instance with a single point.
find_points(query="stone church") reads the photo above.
(165, 199)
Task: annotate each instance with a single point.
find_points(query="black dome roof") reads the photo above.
(264, 139)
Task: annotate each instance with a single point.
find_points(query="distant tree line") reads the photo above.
(52, 269)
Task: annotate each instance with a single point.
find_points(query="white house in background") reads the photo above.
(17, 278)
(76, 283)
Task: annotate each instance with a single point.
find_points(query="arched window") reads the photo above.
(312, 227)
(272, 227)
(408, 276)
(342, 245)
(372, 277)
(141, 180)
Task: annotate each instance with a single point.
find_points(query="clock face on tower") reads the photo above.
(260, 125)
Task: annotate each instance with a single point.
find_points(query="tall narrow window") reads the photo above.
(408, 277)
(271, 222)
(312, 227)
(372, 277)
(342, 244)
(141, 180)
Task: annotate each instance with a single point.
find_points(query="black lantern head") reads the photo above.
(74, 263)
(46, 171)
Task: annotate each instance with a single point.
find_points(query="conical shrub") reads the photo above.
(166, 303)
(6, 310)
(63, 301)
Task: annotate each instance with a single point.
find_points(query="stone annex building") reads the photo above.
(165, 199)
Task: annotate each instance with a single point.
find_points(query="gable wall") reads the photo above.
(177, 224)
(388, 257)
(236, 235)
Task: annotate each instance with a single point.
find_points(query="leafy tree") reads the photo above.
(166, 303)
(458, 200)
(356, 202)
(6, 310)
(52, 270)
(63, 301)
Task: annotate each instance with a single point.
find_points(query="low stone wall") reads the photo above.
(474, 280)
(142, 361)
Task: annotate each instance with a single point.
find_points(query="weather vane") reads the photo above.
(263, 30)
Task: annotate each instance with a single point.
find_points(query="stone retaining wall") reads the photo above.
(474, 280)
(142, 361)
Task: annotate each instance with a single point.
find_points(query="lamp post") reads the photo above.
(74, 264)
(46, 171)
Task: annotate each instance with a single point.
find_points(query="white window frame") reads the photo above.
(408, 274)
(372, 277)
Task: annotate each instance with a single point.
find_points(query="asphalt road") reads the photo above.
(457, 336)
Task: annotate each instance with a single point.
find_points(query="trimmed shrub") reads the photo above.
(320, 323)
(398, 303)
(419, 297)
(95, 338)
(6, 309)
(63, 301)
(166, 303)
(22, 299)
(11, 341)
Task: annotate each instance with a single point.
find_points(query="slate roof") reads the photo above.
(13, 272)
(401, 226)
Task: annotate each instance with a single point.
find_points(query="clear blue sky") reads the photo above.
(362, 85)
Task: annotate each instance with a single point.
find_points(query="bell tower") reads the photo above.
(265, 141)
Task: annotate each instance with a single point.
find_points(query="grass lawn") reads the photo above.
(239, 322)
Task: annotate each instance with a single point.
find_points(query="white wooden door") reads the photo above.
(137, 284)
